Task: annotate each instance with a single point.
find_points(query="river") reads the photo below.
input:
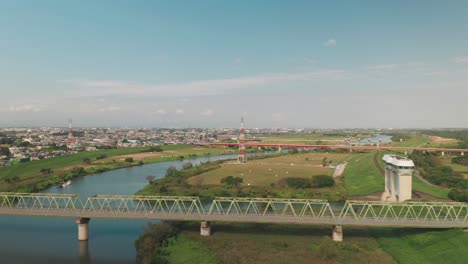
(54, 240)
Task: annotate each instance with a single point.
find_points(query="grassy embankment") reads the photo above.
(244, 243)
(27, 177)
(312, 139)
(263, 177)
(251, 243)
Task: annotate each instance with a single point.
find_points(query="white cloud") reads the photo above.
(380, 67)
(26, 108)
(207, 112)
(194, 88)
(110, 108)
(461, 60)
(161, 112)
(330, 43)
(179, 111)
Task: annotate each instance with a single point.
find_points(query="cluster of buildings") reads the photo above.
(26, 144)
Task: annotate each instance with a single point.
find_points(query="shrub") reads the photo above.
(102, 156)
(155, 149)
(320, 181)
(298, 183)
(460, 195)
(172, 171)
(232, 181)
(129, 159)
(187, 165)
(150, 245)
(327, 249)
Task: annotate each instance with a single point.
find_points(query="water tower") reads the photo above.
(398, 178)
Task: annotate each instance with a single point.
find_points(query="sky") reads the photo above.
(298, 64)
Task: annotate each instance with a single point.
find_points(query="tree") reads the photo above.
(150, 244)
(320, 181)
(46, 171)
(5, 152)
(172, 171)
(129, 159)
(293, 151)
(187, 165)
(324, 162)
(87, 160)
(150, 178)
(102, 156)
(155, 149)
(232, 181)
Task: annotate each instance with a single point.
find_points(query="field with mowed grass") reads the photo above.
(271, 244)
(311, 139)
(29, 177)
(361, 176)
(412, 246)
(263, 172)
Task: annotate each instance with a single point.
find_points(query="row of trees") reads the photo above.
(319, 181)
(430, 168)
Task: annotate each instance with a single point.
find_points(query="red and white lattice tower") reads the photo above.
(242, 157)
(70, 136)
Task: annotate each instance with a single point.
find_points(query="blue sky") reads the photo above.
(327, 64)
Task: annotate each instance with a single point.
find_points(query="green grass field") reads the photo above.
(414, 140)
(264, 172)
(183, 250)
(420, 186)
(361, 177)
(271, 244)
(29, 174)
(313, 138)
(414, 246)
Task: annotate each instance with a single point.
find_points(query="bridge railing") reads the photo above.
(407, 211)
(298, 208)
(40, 201)
(184, 205)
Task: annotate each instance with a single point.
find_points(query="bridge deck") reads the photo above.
(232, 209)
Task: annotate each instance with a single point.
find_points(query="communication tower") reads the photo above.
(242, 157)
(70, 137)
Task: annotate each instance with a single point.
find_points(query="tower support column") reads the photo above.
(83, 228)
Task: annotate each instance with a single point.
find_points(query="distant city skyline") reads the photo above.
(299, 64)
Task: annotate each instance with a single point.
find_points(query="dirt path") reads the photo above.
(339, 169)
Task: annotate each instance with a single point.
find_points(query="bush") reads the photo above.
(232, 181)
(102, 156)
(187, 165)
(327, 249)
(155, 149)
(87, 160)
(460, 195)
(298, 183)
(172, 171)
(320, 181)
(150, 245)
(129, 160)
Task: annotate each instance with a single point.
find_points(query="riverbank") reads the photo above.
(39, 175)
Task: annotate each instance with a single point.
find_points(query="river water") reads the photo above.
(54, 240)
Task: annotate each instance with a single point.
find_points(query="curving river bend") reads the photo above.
(54, 240)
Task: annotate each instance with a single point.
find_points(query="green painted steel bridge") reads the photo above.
(231, 209)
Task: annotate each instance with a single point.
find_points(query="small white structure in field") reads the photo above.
(398, 178)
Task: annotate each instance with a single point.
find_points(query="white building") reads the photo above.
(398, 178)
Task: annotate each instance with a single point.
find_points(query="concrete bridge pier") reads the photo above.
(205, 228)
(463, 153)
(279, 150)
(443, 153)
(83, 228)
(337, 233)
